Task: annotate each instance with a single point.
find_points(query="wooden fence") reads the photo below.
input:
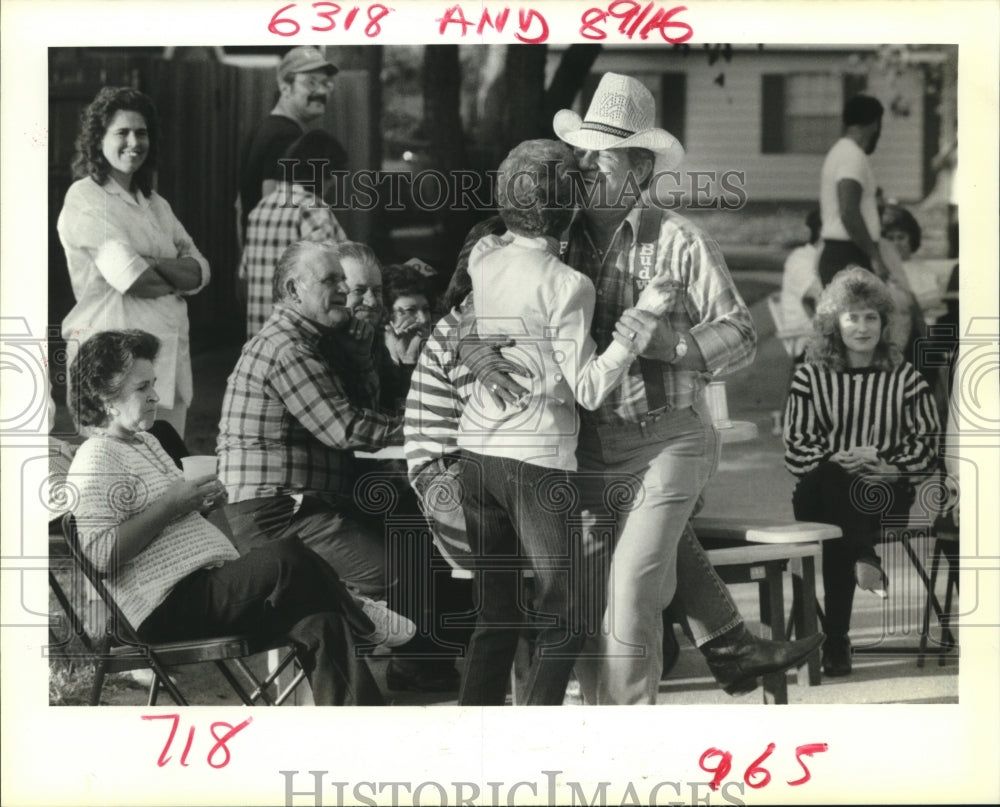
(207, 110)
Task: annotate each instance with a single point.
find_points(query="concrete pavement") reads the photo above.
(751, 482)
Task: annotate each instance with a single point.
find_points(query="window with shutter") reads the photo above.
(800, 112)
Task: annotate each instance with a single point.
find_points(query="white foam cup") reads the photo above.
(199, 465)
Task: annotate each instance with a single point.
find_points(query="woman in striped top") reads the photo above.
(860, 425)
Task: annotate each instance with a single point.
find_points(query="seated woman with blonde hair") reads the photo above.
(173, 574)
(860, 423)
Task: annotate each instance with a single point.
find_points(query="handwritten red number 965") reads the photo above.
(756, 776)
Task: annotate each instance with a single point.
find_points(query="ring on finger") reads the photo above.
(632, 336)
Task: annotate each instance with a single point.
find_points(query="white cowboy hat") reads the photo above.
(621, 115)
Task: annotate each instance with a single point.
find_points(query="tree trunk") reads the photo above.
(574, 67)
(442, 107)
(446, 141)
(524, 86)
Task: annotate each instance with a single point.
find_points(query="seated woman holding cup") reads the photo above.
(860, 426)
(173, 574)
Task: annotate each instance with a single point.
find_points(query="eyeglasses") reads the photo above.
(412, 311)
(315, 82)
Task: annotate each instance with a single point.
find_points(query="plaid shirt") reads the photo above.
(288, 214)
(289, 424)
(712, 312)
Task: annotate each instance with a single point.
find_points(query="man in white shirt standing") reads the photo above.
(847, 193)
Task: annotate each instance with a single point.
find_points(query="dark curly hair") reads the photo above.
(402, 280)
(535, 188)
(97, 372)
(89, 160)
(853, 287)
(862, 110)
(899, 218)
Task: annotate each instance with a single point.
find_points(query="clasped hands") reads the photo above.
(203, 493)
(646, 334)
(864, 460)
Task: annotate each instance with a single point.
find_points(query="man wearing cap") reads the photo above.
(304, 81)
(655, 428)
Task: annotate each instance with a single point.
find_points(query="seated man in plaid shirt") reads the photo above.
(298, 404)
(300, 401)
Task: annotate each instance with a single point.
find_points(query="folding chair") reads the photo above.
(788, 337)
(945, 548)
(904, 529)
(121, 649)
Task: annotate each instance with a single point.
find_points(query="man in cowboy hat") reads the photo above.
(655, 427)
(305, 78)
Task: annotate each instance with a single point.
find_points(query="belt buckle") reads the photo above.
(654, 415)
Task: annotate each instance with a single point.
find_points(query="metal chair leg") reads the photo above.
(97, 685)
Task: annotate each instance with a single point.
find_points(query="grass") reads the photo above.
(70, 680)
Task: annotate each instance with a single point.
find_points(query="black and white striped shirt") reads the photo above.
(829, 411)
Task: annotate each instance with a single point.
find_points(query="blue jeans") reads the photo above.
(516, 511)
(657, 471)
(702, 602)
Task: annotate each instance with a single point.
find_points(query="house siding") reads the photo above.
(724, 123)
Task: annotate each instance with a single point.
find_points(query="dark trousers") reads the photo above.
(827, 494)
(372, 559)
(516, 511)
(276, 590)
(837, 255)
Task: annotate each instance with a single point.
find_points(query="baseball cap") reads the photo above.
(304, 59)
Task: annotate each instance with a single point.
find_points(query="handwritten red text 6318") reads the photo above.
(328, 17)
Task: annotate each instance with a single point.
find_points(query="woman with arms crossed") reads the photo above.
(130, 260)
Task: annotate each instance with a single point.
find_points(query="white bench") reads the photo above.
(745, 550)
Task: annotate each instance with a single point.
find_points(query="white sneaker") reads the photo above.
(574, 693)
(391, 629)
